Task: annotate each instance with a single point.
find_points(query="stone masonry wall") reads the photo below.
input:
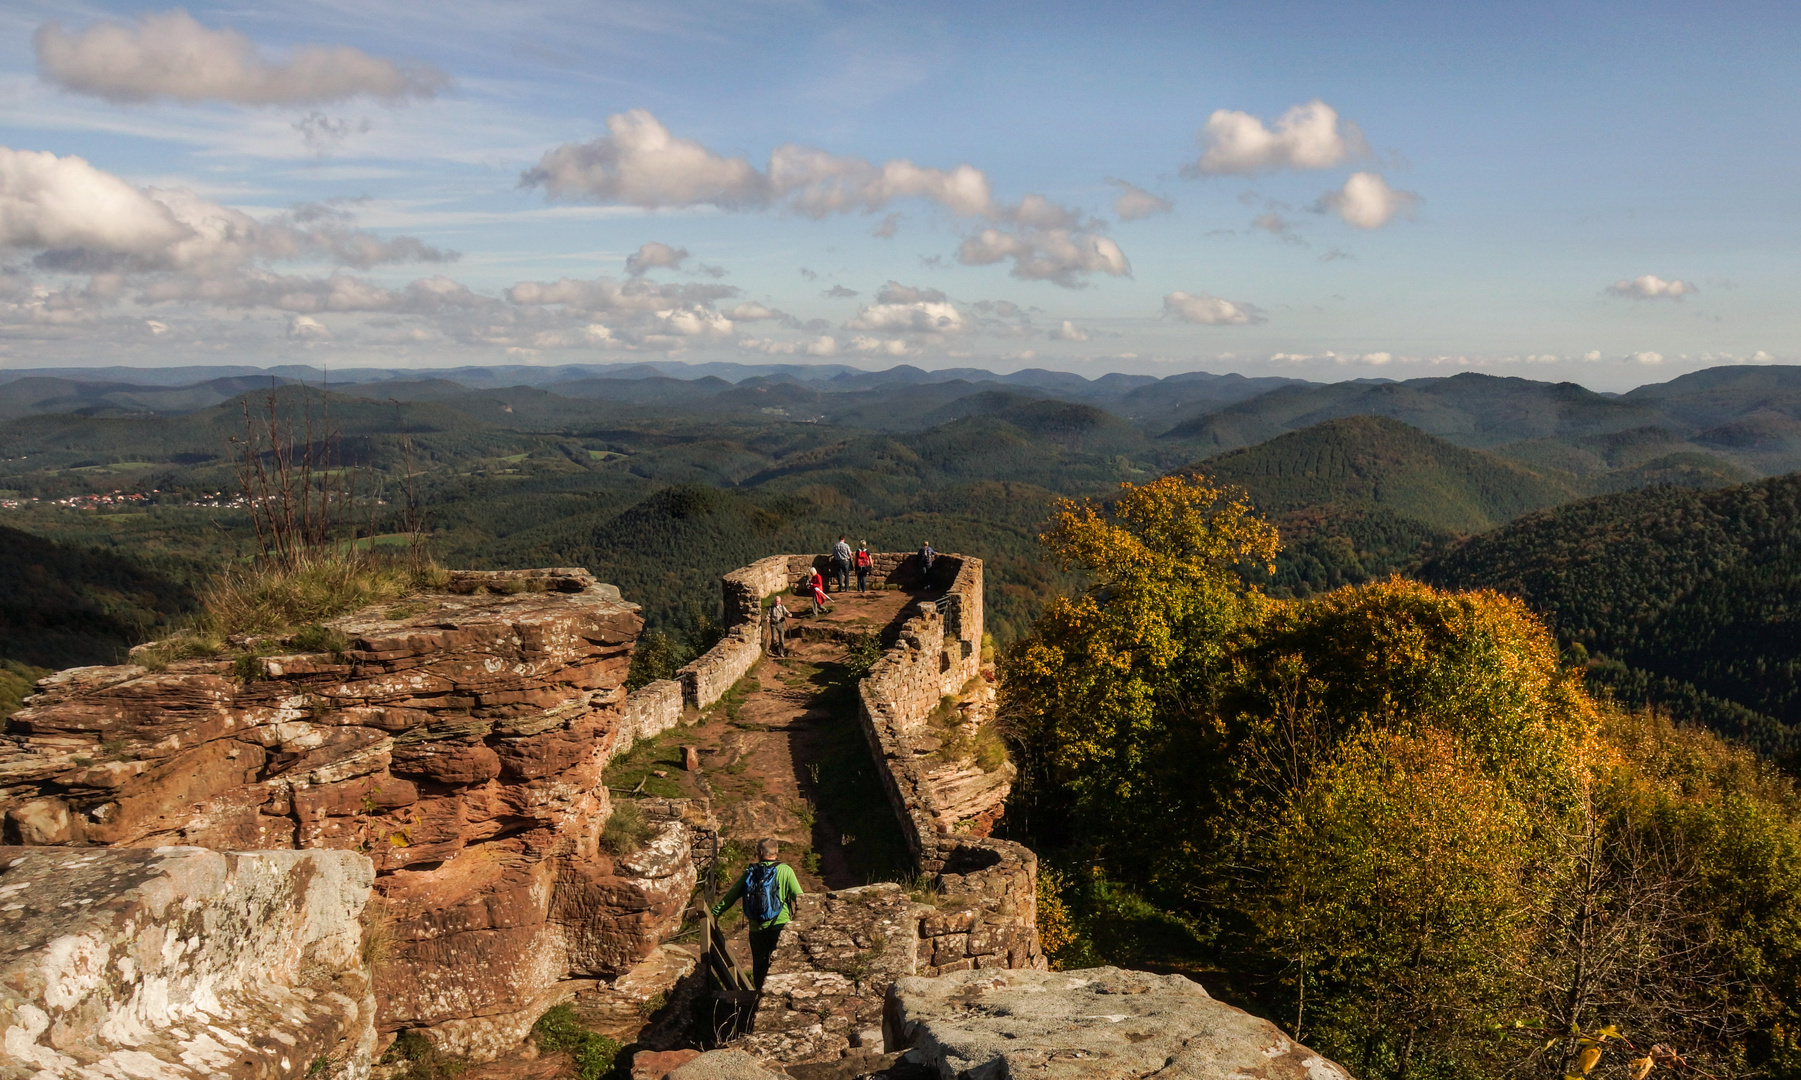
(822, 1000)
(457, 741)
(179, 962)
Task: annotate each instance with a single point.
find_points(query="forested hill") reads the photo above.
(1688, 599)
(62, 605)
(1378, 461)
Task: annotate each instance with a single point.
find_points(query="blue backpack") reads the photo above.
(762, 893)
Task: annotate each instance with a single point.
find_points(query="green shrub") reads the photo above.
(592, 1052)
(317, 638)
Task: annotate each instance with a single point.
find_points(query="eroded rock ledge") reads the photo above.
(455, 743)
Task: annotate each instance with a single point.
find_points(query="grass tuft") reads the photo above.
(626, 830)
(273, 599)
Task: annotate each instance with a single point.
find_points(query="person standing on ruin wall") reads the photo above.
(769, 890)
(865, 563)
(778, 628)
(926, 555)
(841, 563)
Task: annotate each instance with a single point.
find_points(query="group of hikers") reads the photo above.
(844, 560)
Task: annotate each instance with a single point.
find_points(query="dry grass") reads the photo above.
(267, 601)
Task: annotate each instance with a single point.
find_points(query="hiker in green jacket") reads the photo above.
(769, 890)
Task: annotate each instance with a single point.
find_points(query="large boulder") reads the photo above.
(1093, 1024)
(181, 962)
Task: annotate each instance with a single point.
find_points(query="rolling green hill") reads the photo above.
(1379, 462)
(1687, 599)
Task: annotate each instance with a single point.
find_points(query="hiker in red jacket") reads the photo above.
(865, 563)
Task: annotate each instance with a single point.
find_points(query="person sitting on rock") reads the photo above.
(778, 628)
(816, 587)
(769, 890)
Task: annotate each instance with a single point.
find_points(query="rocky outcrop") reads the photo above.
(456, 739)
(1095, 1024)
(179, 962)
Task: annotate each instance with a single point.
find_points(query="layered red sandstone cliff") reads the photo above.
(457, 741)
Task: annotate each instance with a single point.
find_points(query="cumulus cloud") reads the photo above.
(169, 55)
(1133, 202)
(880, 346)
(80, 218)
(1069, 331)
(752, 312)
(307, 328)
(817, 183)
(886, 230)
(839, 292)
(605, 296)
(1209, 310)
(1367, 201)
(1059, 255)
(654, 256)
(1307, 136)
(641, 163)
(915, 317)
(823, 345)
(295, 293)
(1652, 287)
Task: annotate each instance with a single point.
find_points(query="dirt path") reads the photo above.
(782, 755)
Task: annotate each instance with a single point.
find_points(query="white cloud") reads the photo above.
(1069, 332)
(823, 345)
(817, 183)
(653, 256)
(170, 55)
(880, 346)
(893, 292)
(307, 328)
(1367, 201)
(1652, 287)
(1646, 357)
(1592, 354)
(752, 312)
(917, 317)
(1305, 137)
(605, 295)
(1133, 202)
(1060, 256)
(639, 162)
(1210, 310)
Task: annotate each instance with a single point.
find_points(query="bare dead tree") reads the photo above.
(297, 501)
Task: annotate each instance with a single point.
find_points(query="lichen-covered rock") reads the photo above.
(458, 741)
(1094, 1024)
(181, 962)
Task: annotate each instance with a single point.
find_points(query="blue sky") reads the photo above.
(1598, 192)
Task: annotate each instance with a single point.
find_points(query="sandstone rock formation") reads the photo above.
(1094, 1024)
(179, 962)
(456, 739)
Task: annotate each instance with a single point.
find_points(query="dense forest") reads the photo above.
(1684, 599)
(1390, 817)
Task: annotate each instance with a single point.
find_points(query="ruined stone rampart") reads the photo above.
(455, 739)
(178, 962)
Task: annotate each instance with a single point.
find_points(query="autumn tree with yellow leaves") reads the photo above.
(1407, 832)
